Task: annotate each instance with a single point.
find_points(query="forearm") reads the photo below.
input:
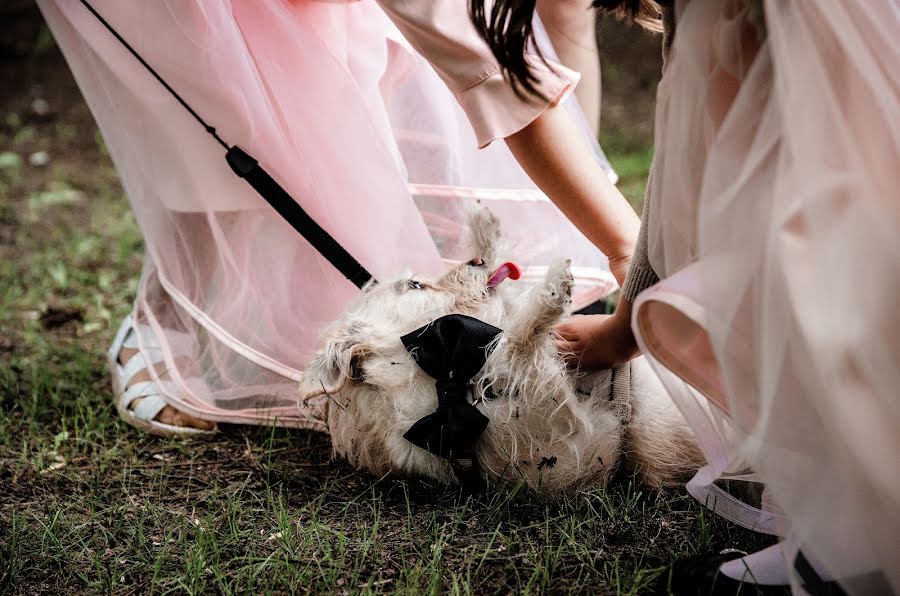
(551, 148)
(552, 153)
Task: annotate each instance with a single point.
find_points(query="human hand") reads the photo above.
(598, 341)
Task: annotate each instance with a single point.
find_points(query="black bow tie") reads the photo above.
(452, 349)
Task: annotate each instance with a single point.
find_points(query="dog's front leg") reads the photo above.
(543, 307)
(540, 433)
(526, 348)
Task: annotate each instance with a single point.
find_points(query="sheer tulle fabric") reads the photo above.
(777, 225)
(356, 126)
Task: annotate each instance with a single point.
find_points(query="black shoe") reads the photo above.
(700, 576)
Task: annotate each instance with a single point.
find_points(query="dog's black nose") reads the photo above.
(477, 262)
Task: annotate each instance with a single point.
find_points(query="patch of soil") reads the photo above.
(21, 27)
(7, 343)
(31, 61)
(54, 317)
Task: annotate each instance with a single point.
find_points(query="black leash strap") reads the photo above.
(245, 166)
(249, 169)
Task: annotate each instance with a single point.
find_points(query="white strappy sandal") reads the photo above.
(143, 415)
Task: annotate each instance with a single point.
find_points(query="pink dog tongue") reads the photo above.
(505, 270)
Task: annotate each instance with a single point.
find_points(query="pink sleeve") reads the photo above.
(440, 30)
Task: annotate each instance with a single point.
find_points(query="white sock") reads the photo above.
(767, 567)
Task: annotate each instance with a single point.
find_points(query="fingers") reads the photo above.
(565, 347)
(570, 329)
(570, 351)
(564, 333)
(594, 341)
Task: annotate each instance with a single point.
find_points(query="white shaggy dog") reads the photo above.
(548, 426)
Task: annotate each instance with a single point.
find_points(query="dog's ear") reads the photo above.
(340, 361)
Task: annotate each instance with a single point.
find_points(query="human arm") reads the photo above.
(542, 137)
(551, 151)
(603, 341)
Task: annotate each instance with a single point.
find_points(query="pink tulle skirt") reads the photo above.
(350, 121)
(776, 224)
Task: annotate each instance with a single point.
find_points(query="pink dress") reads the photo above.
(776, 230)
(354, 124)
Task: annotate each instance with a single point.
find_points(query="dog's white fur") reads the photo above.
(550, 427)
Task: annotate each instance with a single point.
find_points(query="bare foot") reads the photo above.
(168, 415)
(597, 341)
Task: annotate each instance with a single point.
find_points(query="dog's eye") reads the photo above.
(414, 285)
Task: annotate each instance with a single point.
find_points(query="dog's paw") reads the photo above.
(543, 306)
(559, 281)
(556, 296)
(484, 234)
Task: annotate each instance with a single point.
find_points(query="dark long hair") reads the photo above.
(508, 31)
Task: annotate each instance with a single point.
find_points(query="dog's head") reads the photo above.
(375, 390)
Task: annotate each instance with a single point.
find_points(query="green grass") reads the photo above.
(88, 504)
(631, 159)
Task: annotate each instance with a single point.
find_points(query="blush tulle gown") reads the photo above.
(776, 225)
(354, 125)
